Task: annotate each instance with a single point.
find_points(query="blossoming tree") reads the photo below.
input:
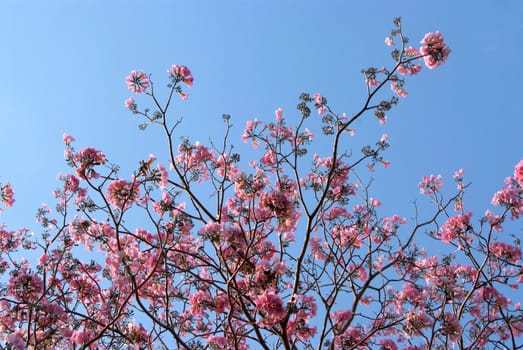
(195, 250)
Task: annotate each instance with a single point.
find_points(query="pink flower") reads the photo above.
(249, 133)
(200, 301)
(458, 175)
(164, 176)
(70, 183)
(278, 203)
(87, 158)
(137, 82)
(67, 139)
(412, 51)
(510, 196)
(371, 82)
(503, 250)
(389, 41)
(130, 103)
(409, 69)
(121, 194)
(318, 98)
(269, 158)
(279, 113)
(451, 326)
(16, 340)
(7, 195)
(160, 207)
(316, 249)
(397, 87)
(374, 202)
(518, 173)
(81, 336)
(270, 306)
(430, 184)
(416, 321)
(217, 342)
(25, 285)
(454, 227)
(181, 73)
(341, 317)
(434, 50)
(494, 220)
(319, 103)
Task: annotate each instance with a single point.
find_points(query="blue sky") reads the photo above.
(64, 66)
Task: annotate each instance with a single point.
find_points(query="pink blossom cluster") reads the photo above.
(444, 281)
(434, 50)
(408, 67)
(121, 193)
(68, 139)
(339, 186)
(137, 81)
(249, 132)
(130, 103)
(182, 73)
(430, 184)
(304, 309)
(511, 194)
(319, 103)
(518, 173)
(194, 159)
(397, 87)
(7, 195)
(270, 305)
(86, 159)
(505, 251)
(70, 189)
(455, 227)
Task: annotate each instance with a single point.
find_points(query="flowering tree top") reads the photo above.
(195, 251)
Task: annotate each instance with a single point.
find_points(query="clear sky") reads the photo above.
(64, 64)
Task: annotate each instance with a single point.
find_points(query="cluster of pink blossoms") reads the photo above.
(434, 50)
(518, 173)
(270, 305)
(408, 68)
(397, 87)
(511, 195)
(454, 227)
(506, 251)
(319, 103)
(193, 159)
(430, 184)
(130, 103)
(7, 195)
(86, 159)
(182, 73)
(137, 81)
(121, 193)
